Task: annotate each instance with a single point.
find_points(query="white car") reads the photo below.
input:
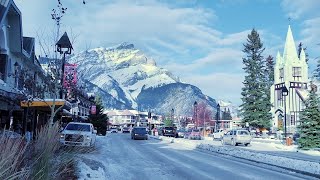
(78, 134)
(218, 135)
(113, 130)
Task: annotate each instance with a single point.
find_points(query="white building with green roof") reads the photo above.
(290, 72)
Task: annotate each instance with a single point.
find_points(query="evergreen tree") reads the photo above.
(168, 122)
(316, 74)
(270, 70)
(299, 49)
(99, 120)
(309, 127)
(256, 103)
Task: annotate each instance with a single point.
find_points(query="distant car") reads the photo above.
(78, 134)
(235, 137)
(125, 130)
(113, 130)
(180, 133)
(139, 133)
(218, 135)
(169, 131)
(195, 134)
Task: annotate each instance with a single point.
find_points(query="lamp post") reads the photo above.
(204, 121)
(172, 115)
(195, 106)
(285, 93)
(218, 117)
(63, 47)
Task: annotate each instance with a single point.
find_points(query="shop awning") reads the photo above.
(43, 103)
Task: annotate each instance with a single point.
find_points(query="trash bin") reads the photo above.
(289, 141)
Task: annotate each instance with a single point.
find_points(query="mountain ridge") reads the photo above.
(130, 79)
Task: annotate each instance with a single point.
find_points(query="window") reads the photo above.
(296, 73)
(3, 65)
(281, 73)
(292, 120)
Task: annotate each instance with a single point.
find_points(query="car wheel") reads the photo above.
(247, 144)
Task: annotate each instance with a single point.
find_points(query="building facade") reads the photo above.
(291, 74)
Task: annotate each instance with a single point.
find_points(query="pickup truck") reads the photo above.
(78, 134)
(218, 135)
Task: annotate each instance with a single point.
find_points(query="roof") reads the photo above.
(28, 44)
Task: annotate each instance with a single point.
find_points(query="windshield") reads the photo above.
(140, 130)
(78, 127)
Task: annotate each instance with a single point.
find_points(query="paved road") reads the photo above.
(123, 158)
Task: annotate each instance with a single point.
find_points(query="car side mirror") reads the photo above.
(95, 131)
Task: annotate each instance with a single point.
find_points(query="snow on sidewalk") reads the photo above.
(87, 172)
(300, 165)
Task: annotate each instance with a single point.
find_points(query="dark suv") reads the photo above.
(139, 133)
(169, 131)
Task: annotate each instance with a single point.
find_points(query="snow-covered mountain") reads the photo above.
(126, 78)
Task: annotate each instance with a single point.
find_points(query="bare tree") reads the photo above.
(204, 114)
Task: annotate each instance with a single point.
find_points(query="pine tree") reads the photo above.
(316, 74)
(256, 104)
(270, 70)
(99, 120)
(309, 127)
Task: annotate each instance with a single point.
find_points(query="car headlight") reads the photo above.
(136, 134)
(61, 136)
(88, 137)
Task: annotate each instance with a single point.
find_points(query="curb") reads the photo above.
(156, 137)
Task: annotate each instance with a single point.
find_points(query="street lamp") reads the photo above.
(63, 47)
(285, 93)
(172, 115)
(195, 105)
(204, 121)
(218, 117)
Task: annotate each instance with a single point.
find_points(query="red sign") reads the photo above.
(70, 75)
(93, 109)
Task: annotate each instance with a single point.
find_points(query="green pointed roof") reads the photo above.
(290, 51)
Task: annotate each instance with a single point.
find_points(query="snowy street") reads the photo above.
(118, 157)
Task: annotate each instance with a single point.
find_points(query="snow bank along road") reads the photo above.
(118, 157)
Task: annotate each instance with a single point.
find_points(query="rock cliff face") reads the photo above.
(127, 79)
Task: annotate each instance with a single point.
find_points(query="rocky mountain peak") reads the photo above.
(125, 45)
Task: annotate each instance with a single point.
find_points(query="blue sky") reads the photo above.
(198, 40)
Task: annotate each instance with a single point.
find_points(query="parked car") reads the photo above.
(125, 130)
(139, 133)
(180, 133)
(235, 137)
(218, 135)
(169, 131)
(113, 130)
(78, 134)
(195, 134)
